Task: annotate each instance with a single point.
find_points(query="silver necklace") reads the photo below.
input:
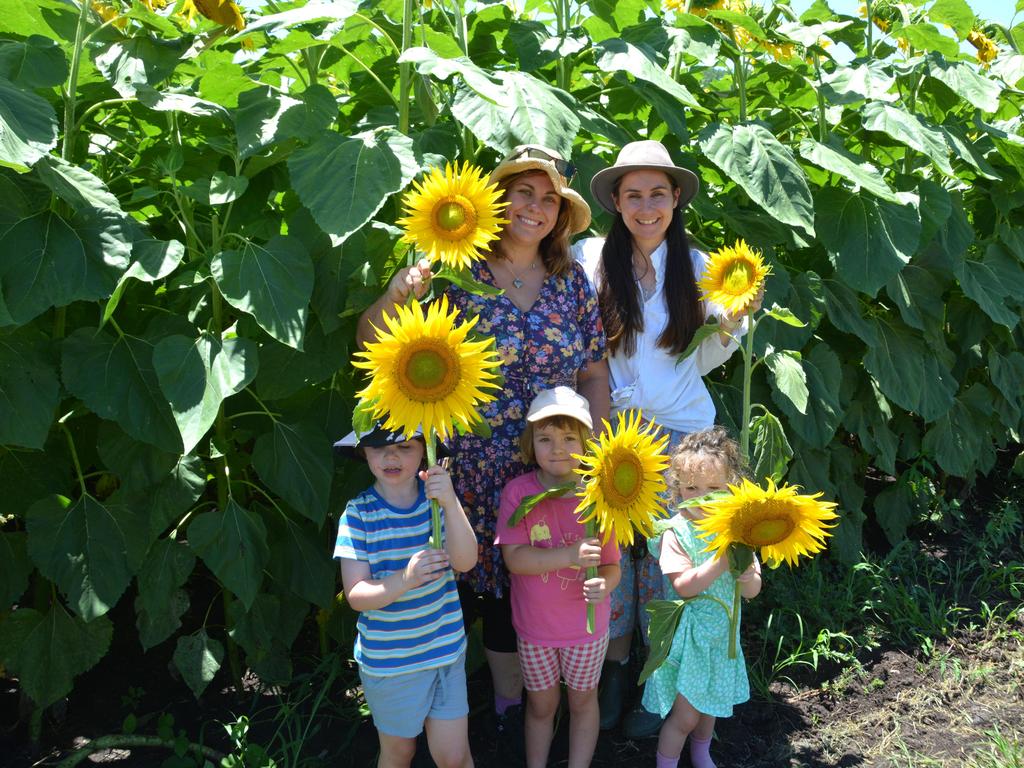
(517, 282)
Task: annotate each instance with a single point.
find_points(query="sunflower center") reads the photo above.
(454, 216)
(738, 277)
(623, 479)
(427, 371)
(766, 532)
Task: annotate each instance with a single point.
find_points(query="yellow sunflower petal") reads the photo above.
(781, 523)
(224, 12)
(424, 371)
(733, 276)
(985, 46)
(622, 472)
(453, 215)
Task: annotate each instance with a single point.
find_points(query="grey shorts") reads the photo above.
(400, 704)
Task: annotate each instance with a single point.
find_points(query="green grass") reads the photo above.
(822, 617)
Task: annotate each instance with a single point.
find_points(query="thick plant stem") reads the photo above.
(126, 741)
(436, 540)
(405, 69)
(734, 620)
(564, 66)
(822, 126)
(741, 86)
(71, 94)
(748, 364)
(224, 475)
(591, 574)
(870, 42)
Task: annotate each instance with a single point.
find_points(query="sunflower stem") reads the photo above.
(748, 356)
(405, 69)
(734, 619)
(436, 542)
(591, 574)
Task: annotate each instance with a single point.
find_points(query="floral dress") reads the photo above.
(540, 348)
(698, 665)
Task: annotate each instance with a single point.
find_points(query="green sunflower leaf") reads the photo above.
(528, 503)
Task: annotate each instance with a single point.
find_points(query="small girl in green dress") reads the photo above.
(698, 681)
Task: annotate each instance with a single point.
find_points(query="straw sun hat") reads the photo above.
(533, 157)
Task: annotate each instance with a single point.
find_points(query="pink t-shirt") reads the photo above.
(549, 609)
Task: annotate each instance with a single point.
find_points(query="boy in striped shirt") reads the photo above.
(411, 644)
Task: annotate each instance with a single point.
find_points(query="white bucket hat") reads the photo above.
(642, 156)
(560, 401)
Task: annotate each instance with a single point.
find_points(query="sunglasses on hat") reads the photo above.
(564, 167)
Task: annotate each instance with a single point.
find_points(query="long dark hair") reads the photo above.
(619, 294)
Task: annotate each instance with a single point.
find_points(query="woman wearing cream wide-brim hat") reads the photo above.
(645, 275)
(547, 329)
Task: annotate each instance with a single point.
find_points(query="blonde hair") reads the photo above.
(712, 444)
(554, 248)
(561, 422)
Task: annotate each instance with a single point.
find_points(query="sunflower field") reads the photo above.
(198, 199)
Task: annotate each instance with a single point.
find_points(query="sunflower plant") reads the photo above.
(622, 483)
(781, 523)
(452, 216)
(778, 521)
(733, 279)
(426, 372)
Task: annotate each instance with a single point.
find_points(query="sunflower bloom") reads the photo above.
(733, 277)
(425, 372)
(675, 5)
(154, 5)
(783, 524)
(224, 12)
(623, 479)
(779, 51)
(452, 215)
(109, 13)
(986, 47)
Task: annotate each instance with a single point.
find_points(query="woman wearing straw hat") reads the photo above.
(547, 329)
(645, 275)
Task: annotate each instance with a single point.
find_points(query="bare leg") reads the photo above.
(540, 720)
(506, 674)
(677, 726)
(448, 741)
(705, 727)
(583, 727)
(618, 647)
(395, 751)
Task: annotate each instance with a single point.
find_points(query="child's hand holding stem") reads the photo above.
(586, 553)
(423, 567)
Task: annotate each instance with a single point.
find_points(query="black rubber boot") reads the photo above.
(612, 694)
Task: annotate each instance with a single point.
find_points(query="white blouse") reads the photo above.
(669, 393)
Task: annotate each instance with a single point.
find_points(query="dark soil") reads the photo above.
(893, 710)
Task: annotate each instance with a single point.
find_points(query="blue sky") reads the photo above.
(999, 11)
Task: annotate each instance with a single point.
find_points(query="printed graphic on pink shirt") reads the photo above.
(548, 609)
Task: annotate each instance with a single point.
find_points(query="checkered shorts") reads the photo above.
(578, 665)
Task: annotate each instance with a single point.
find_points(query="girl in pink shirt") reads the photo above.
(547, 554)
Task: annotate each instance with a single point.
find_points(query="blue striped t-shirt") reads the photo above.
(423, 628)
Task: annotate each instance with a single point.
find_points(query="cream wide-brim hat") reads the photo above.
(561, 401)
(579, 211)
(642, 156)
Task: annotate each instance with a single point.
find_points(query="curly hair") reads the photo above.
(712, 444)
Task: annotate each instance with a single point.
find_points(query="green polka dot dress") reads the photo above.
(698, 665)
